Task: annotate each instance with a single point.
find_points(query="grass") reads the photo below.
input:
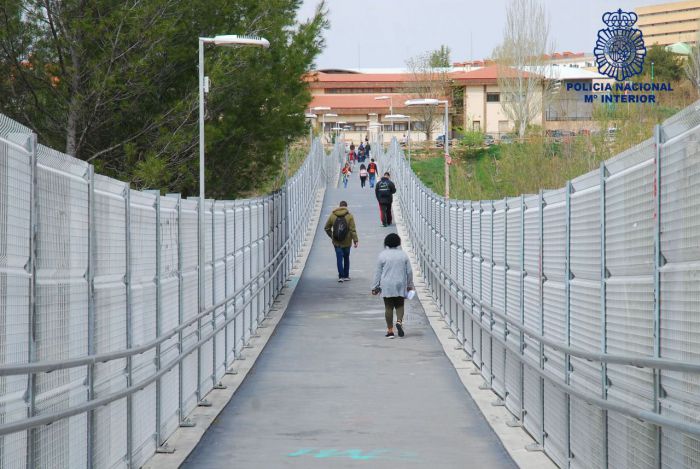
(524, 168)
(471, 173)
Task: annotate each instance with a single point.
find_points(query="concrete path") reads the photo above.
(330, 391)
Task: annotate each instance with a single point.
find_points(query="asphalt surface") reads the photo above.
(330, 391)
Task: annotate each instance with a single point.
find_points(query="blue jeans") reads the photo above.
(342, 257)
(372, 178)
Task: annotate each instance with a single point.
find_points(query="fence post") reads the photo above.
(30, 397)
(215, 336)
(180, 312)
(522, 308)
(129, 331)
(226, 290)
(159, 311)
(603, 311)
(491, 318)
(659, 262)
(243, 270)
(567, 316)
(542, 280)
(505, 296)
(200, 289)
(90, 276)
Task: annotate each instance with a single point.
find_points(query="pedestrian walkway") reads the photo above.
(329, 390)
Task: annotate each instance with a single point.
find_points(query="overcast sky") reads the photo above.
(384, 33)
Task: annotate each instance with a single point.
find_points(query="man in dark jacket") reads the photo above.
(384, 191)
(342, 240)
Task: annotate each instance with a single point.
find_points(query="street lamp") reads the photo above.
(311, 116)
(228, 40)
(323, 125)
(391, 102)
(394, 117)
(436, 102)
(338, 128)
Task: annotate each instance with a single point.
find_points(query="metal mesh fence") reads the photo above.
(580, 305)
(105, 343)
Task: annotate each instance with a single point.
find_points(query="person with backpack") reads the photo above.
(352, 156)
(372, 171)
(347, 171)
(393, 278)
(363, 175)
(340, 227)
(384, 191)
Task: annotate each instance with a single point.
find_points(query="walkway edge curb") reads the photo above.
(514, 439)
(185, 439)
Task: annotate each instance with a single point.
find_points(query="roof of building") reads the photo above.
(562, 72)
(358, 77)
(358, 101)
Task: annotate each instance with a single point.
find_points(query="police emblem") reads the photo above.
(620, 50)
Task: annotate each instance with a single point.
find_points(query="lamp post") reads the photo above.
(228, 40)
(323, 119)
(311, 116)
(338, 128)
(329, 114)
(448, 160)
(395, 117)
(391, 102)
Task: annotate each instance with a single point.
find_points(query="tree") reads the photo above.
(667, 65)
(522, 66)
(692, 67)
(440, 57)
(115, 83)
(429, 82)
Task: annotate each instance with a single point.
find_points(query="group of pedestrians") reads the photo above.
(360, 154)
(393, 277)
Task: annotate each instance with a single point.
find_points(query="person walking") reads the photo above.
(367, 147)
(372, 171)
(384, 191)
(393, 278)
(347, 171)
(340, 227)
(363, 175)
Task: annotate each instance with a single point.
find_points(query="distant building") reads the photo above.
(669, 23)
(351, 96)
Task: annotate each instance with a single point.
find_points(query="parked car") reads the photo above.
(489, 140)
(507, 139)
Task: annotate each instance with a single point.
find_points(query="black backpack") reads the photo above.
(383, 188)
(340, 228)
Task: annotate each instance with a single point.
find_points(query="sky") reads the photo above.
(385, 33)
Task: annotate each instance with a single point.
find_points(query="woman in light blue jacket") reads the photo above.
(393, 279)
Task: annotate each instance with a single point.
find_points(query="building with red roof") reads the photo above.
(352, 96)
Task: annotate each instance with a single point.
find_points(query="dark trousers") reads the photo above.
(363, 180)
(391, 304)
(385, 212)
(342, 257)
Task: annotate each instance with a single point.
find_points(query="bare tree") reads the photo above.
(522, 65)
(427, 82)
(692, 66)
